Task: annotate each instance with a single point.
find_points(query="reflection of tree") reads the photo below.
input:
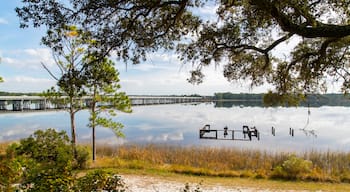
(243, 103)
(314, 100)
(326, 101)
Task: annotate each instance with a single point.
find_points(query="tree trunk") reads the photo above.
(93, 123)
(93, 144)
(72, 125)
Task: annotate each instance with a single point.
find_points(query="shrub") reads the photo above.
(47, 158)
(82, 157)
(42, 162)
(292, 168)
(100, 180)
(10, 172)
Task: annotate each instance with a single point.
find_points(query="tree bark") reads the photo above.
(93, 132)
(72, 125)
(93, 123)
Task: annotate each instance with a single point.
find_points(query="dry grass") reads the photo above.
(223, 162)
(3, 147)
(331, 167)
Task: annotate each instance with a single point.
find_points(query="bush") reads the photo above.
(45, 162)
(42, 162)
(82, 157)
(10, 172)
(101, 180)
(47, 158)
(292, 168)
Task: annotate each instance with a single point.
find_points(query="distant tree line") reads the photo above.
(332, 99)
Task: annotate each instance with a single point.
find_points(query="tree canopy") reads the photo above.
(244, 38)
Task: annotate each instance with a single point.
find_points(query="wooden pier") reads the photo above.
(27, 103)
(245, 134)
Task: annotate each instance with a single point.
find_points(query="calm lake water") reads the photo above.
(179, 124)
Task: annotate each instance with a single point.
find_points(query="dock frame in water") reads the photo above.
(226, 134)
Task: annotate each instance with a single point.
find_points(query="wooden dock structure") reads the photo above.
(245, 134)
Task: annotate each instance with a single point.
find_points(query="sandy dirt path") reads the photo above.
(137, 183)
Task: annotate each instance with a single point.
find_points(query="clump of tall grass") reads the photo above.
(229, 162)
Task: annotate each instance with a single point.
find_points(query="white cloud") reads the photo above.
(8, 60)
(145, 127)
(23, 79)
(3, 21)
(168, 57)
(143, 67)
(155, 61)
(28, 58)
(174, 81)
(26, 84)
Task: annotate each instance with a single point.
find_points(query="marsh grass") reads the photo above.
(228, 162)
(316, 166)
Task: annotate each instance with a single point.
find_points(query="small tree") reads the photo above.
(103, 85)
(83, 74)
(70, 81)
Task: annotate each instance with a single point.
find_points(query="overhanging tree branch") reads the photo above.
(309, 31)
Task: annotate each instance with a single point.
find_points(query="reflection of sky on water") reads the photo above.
(179, 125)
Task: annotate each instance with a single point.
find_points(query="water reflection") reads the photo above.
(178, 124)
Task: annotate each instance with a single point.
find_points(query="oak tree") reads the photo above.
(245, 38)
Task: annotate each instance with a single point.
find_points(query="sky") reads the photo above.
(162, 74)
